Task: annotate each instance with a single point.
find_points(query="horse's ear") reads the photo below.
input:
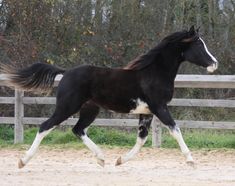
(191, 35)
(192, 30)
(197, 30)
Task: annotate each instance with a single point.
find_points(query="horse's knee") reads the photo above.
(144, 124)
(50, 123)
(143, 131)
(78, 131)
(45, 126)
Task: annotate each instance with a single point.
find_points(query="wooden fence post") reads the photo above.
(156, 132)
(19, 114)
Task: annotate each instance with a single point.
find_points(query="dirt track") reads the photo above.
(150, 167)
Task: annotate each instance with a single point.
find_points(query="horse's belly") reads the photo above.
(133, 106)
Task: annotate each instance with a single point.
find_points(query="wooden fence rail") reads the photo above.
(182, 81)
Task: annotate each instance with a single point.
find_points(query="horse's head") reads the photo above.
(196, 51)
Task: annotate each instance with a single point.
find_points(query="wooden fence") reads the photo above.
(182, 81)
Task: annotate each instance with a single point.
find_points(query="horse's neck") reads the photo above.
(165, 68)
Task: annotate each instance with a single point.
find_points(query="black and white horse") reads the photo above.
(143, 87)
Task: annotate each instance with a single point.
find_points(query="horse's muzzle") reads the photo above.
(212, 67)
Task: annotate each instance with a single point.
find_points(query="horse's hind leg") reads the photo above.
(88, 113)
(44, 130)
(64, 109)
(34, 147)
(144, 124)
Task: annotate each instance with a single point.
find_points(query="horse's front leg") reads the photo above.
(144, 124)
(164, 116)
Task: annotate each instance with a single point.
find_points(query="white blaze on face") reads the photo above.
(141, 108)
(214, 66)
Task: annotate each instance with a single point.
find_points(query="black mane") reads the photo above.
(149, 57)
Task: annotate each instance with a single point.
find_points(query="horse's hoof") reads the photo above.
(191, 163)
(101, 162)
(20, 164)
(118, 162)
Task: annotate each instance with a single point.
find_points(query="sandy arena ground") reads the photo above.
(151, 167)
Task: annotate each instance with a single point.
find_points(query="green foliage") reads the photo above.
(203, 139)
(55, 137)
(109, 32)
(114, 137)
(6, 134)
(111, 136)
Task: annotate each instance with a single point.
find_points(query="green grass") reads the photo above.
(202, 138)
(110, 137)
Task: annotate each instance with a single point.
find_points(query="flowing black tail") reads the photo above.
(37, 77)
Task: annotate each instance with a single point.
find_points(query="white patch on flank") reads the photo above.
(34, 147)
(92, 146)
(141, 108)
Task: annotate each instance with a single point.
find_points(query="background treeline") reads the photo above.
(112, 32)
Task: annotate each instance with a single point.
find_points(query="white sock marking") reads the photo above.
(92, 146)
(139, 143)
(176, 133)
(34, 147)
